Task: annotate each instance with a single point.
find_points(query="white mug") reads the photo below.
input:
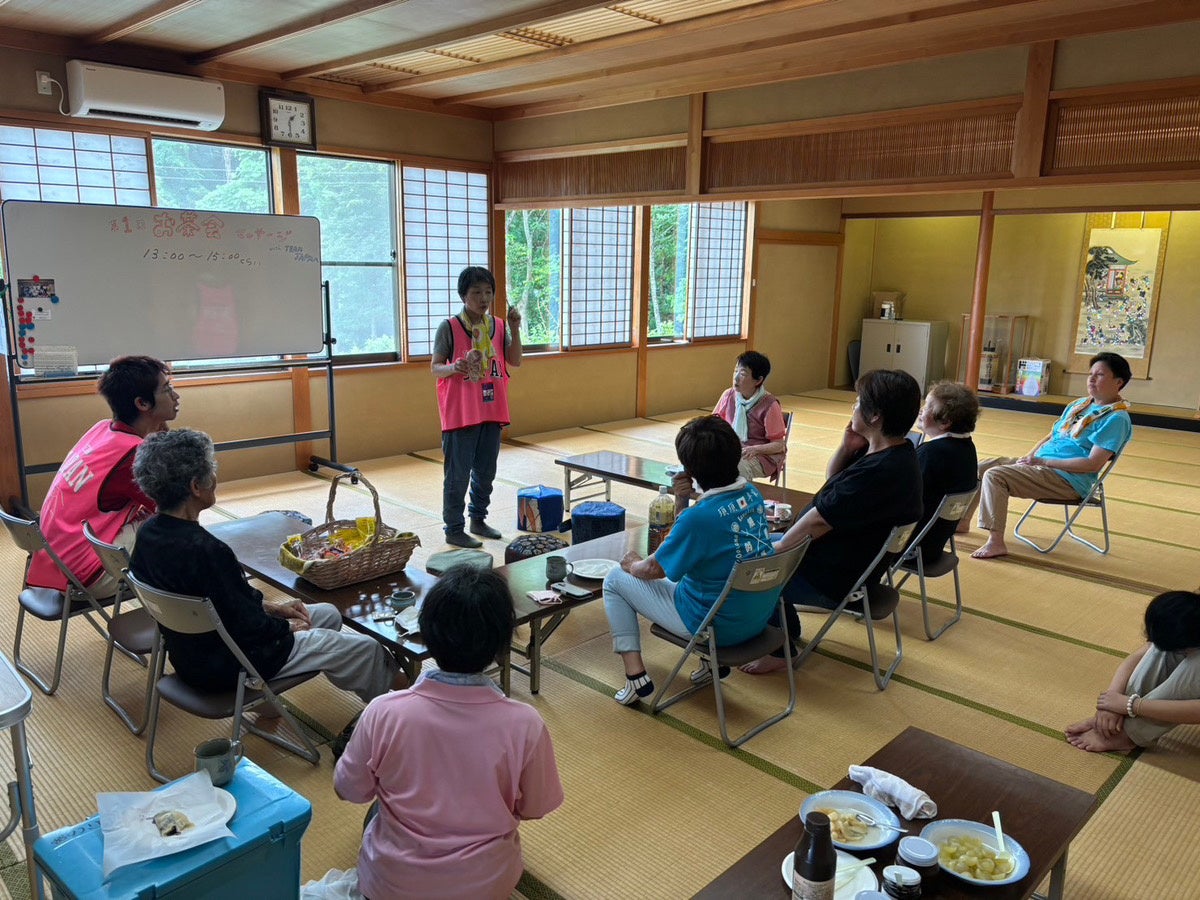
(219, 757)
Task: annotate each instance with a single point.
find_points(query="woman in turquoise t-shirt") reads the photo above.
(1064, 464)
(677, 585)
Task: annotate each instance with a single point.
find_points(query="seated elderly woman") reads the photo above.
(1157, 686)
(1064, 464)
(873, 485)
(756, 417)
(677, 585)
(946, 456)
(178, 470)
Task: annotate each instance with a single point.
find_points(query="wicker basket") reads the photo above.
(388, 550)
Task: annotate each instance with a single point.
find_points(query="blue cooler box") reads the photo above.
(539, 508)
(595, 519)
(261, 861)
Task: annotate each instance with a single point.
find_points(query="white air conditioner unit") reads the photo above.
(95, 90)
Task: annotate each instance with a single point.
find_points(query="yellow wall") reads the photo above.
(857, 263)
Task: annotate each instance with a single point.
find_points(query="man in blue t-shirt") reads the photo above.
(1065, 464)
(678, 584)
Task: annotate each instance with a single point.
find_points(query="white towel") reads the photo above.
(893, 790)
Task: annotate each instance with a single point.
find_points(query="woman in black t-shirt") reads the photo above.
(946, 456)
(874, 485)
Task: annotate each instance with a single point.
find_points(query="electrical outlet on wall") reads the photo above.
(43, 83)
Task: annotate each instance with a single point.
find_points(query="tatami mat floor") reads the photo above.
(1039, 638)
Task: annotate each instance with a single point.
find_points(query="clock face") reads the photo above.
(290, 120)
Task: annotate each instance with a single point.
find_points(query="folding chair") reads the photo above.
(1094, 498)
(50, 604)
(132, 631)
(197, 615)
(952, 508)
(766, 573)
(879, 600)
(780, 476)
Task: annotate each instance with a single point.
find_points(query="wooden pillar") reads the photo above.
(695, 145)
(641, 303)
(1030, 138)
(983, 262)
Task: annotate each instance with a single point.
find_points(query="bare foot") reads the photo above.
(764, 665)
(1094, 742)
(992, 547)
(1081, 727)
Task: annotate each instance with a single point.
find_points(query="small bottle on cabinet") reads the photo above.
(815, 861)
(662, 517)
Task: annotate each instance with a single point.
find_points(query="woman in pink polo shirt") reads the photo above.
(454, 764)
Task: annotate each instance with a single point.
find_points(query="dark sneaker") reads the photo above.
(481, 528)
(339, 743)
(462, 539)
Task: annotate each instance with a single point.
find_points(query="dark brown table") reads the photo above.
(1041, 814)
(255, 541)
(603, 467)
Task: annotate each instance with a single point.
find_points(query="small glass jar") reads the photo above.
(902, 883)
(921, 855)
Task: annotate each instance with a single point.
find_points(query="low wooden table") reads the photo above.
(603, 467)
(1041, 814)
(255, 541)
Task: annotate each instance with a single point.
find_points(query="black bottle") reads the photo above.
(815, 863)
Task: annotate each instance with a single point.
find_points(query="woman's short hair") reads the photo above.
(167, 462)
(756, 364)
(473, 275)
(1173, 620)
(958, 406)
(891, 394)
(1116, 364)
(709, 450)
(129, 379)
(467, 619)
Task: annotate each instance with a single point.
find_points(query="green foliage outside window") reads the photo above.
(533, 253)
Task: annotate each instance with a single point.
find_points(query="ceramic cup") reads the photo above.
(219, 757)
(557, 568)
(402, 598)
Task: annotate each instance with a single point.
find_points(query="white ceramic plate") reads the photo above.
(227, 802)
(593, 569)
(855, 802)
(407, 619)
(942, 830)
(861, 880)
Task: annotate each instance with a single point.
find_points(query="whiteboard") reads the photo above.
(93, 282)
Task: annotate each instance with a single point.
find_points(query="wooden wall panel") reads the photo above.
(1133, 134)
(968, 145)
(658, 170)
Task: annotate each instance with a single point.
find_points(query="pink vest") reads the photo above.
(756, 425)
(464, 403)
(75, 497)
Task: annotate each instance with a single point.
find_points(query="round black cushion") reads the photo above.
(529, 545)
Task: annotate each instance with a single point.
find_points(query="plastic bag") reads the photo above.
(127, 820)
(337, 884)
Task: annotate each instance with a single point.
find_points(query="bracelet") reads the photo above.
(1129, 706)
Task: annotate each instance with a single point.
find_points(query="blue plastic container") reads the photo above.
(261, 861)
(539, 508)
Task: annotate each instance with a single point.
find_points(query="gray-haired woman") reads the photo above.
(178, 470)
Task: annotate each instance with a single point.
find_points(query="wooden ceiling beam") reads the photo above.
(138, 21)
(427, 42)
(343, 13)
(834, 55)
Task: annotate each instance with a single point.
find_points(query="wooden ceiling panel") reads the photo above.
(514, 58)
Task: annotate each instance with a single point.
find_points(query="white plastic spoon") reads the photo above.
(842, 871)
(1001, 852)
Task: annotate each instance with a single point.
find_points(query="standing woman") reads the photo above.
(471, 355)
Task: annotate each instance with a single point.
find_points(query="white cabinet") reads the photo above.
(918, 348)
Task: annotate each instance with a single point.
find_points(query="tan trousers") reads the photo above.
(1001, 478)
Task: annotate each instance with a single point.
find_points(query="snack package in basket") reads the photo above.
(346, 551)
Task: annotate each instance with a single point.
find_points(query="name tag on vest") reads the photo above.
(489, 392)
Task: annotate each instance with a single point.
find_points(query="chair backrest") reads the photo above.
(952, 508)
(787, 433)
(178, 612)
(27, 534)
(896, 541)
(763, 573)
(115, 559)
(853, 356)
(187, 615)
